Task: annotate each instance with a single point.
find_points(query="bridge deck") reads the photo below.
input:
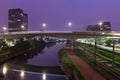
(59, 34)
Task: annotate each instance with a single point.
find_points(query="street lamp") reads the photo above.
(4, 29)
(69, 24)
(43, 26)
(100, 24)
(22, 27)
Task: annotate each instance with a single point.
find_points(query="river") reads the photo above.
(30, 66)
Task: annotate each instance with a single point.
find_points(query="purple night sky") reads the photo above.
(57, 13)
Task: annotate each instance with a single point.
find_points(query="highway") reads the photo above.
(59, 34)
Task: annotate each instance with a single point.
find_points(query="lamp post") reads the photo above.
(69, 24)
(4, 29)
(43, 26)
(100, 24)
(22, 27)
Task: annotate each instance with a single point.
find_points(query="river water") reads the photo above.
(46, 57)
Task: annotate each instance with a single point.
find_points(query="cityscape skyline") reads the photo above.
(57, 14)
(59, 40)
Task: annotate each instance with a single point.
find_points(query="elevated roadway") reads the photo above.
(58, 34)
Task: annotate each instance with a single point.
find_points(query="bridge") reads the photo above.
(59, 34)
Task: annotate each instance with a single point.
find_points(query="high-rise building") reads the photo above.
(105, 26)
(17, 20)
(92, 28)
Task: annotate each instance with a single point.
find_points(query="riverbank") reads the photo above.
(81, 71)
(20, 48)
(69, 67)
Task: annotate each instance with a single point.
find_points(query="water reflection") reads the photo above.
(22, 74)
(44, 76)
(4, 70)
(50, 44)
(15, 75)
(49, 58)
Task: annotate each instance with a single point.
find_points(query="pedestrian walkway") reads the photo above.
(88, 72)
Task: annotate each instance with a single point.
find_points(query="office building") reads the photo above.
(92, 28)
(105, 26)
(17, 20)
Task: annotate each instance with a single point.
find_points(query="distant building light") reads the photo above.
(18, 20)
(11, 21)
(21, 14)
(13, 15)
